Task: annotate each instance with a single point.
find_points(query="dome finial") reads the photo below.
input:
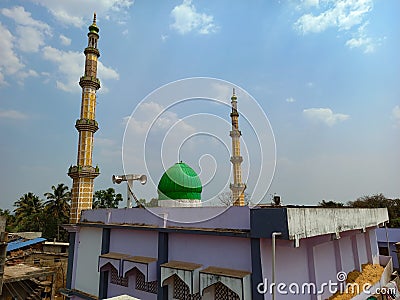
(233, 98)
(94, 18)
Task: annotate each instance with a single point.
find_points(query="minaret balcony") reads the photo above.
(83, 172)
(236, 159)
(86, 125)
(234, 113)
(235, 133)
(92, 50)
(238, 187)
(89, 81)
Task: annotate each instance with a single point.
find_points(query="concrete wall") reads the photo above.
(87, 251)
(220, 251)
(308, 222)
(134, 242)
(291, 265)
(361, 247)
(347, 255)
(393, 237)
(374, 245)
(325, 267)
(317, 260)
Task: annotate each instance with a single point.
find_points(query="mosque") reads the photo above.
(184, 250)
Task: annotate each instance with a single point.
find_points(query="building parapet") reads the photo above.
(294, 223)
(309, 222)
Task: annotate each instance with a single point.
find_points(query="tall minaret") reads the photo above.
(83, 174)
(237, 187)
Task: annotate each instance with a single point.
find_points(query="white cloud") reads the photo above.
(290, 100)
(71, 68)
(76, 12)
(396, 114)
(325, 115)
(65, 40)
(31, 33)
(22, 17)
(147, 112)
(343, 15)
(2, 81)
(29, 39)
(151, 131)
(9, 61)
(361, 40)
(187, 19)
(25, 74)
(311, 3)
(12, 114)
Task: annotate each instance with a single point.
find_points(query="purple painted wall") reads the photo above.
(347, 256)
(291, 265)
(220, 251)
(315, 259)
(362, 251)
(393, 237)
(134, 242)
(393, 234)
(374, 245)
(325, 266)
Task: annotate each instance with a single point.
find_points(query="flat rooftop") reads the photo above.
(294, 222)
(22, 272)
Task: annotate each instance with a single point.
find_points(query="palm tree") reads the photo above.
(57, 205)
(29, 212)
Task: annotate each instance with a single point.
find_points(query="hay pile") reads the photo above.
(370, 274)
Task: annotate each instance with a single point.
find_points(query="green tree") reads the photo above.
(57, 208)
(106, 199)
(29, 213)
(330, 204)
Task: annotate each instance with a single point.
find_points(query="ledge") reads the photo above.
(83, 172)
(86, 125)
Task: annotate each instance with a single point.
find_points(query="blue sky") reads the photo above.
(325, 73)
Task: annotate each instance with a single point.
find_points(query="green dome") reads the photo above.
(180, 182)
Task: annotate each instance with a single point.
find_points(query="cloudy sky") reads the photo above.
(325, 73)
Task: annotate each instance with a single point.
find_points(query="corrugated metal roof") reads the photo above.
(21, 244)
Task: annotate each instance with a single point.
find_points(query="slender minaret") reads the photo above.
(237, 187)
(83, 174)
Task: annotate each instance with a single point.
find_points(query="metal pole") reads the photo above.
(274, 234)
(387, 239)
(129, 193)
